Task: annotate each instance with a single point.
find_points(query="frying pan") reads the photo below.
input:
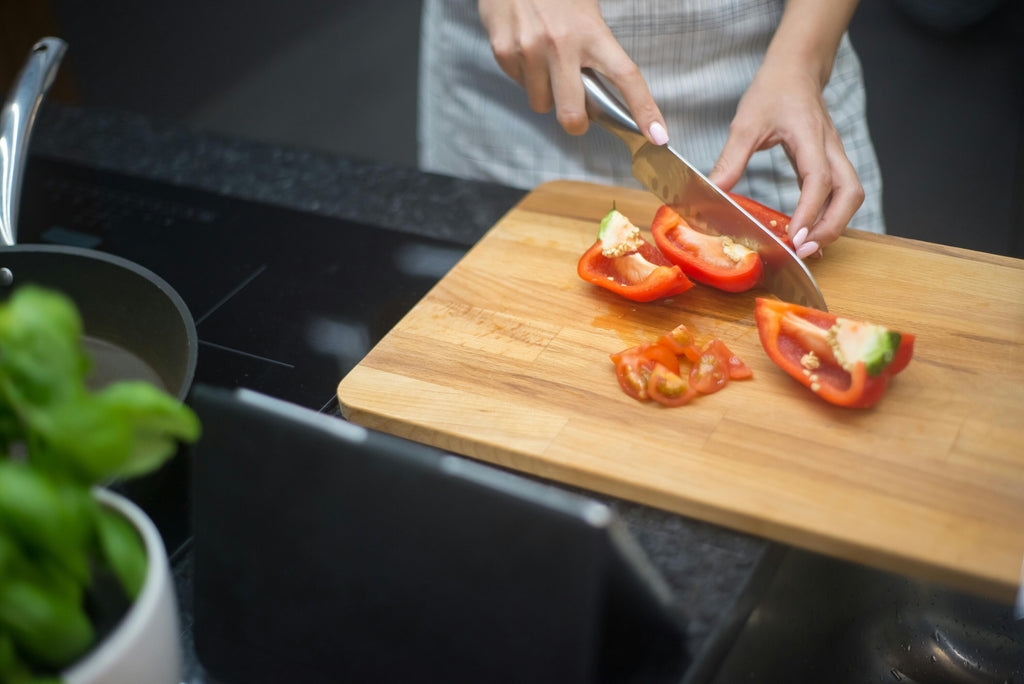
(135, 325)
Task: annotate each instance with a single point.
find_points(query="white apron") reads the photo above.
(698, 57)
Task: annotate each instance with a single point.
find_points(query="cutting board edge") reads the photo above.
(991, 586)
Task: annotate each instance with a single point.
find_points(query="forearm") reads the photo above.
(808, 36)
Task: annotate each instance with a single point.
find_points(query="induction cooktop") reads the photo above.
(285, 302)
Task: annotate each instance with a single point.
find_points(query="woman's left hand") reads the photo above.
(784, 106)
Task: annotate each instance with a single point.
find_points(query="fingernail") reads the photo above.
(658, 133)
(799, 238)
(807, 249)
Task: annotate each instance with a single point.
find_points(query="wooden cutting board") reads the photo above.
(506, 360)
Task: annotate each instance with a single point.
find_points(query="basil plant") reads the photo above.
(59, 440)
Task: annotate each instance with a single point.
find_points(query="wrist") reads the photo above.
(808, 37)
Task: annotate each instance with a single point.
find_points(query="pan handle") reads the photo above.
(16, 121)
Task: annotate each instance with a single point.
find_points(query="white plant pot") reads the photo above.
(146, 645)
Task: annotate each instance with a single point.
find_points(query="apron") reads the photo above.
(697, 56)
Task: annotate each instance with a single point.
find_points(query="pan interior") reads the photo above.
(112, 363)
(135, 324)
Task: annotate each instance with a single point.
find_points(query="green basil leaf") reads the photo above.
(42, 624)
(40, 337)
(123, 549)
(84, 439)
(44, 517)
(157, 420)
(12, 669)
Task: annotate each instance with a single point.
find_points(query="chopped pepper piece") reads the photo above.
(669, 388)
(715, 260)
(845, 362)
(715, 366)
(710, 372)
(680, 341)
(633, 367)
(622, 261)
(651, 370)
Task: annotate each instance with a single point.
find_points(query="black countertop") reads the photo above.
(707, 566)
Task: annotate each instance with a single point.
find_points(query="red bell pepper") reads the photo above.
(773, 220)
(714, 260)
(623, 262)
(651, 370)
(845, 362)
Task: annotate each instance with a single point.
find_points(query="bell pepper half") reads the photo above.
(714, 260)
(845, 362)
(622, 261)
(773, 220)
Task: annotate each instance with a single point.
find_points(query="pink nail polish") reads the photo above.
(799, 238)
(807, 249)
(658, 133)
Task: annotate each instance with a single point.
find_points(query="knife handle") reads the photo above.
(604, 108)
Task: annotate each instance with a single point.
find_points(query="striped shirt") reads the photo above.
(697, 56)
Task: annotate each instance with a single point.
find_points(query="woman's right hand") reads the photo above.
(543, 45)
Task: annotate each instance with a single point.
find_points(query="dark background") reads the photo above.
(945, 90)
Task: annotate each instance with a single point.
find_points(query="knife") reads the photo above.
(707, 208)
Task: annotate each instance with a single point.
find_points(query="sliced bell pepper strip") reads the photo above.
(773, 220)
(714, 260)
(845, 362)
(623, 262)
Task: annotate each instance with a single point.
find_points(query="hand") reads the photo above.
(543, 45)
(784, 106)
(788, 109)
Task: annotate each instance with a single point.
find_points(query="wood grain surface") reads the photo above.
(506, 361)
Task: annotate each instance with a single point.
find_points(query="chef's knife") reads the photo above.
(678, 184)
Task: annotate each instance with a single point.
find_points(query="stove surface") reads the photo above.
(284, 302)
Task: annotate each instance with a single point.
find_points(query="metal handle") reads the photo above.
(604, 108)
(16, 121)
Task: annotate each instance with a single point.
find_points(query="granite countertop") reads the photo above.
(706, 566)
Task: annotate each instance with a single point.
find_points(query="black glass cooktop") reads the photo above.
(285, 302)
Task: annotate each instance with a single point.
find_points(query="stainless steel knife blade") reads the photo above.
(706, 207)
